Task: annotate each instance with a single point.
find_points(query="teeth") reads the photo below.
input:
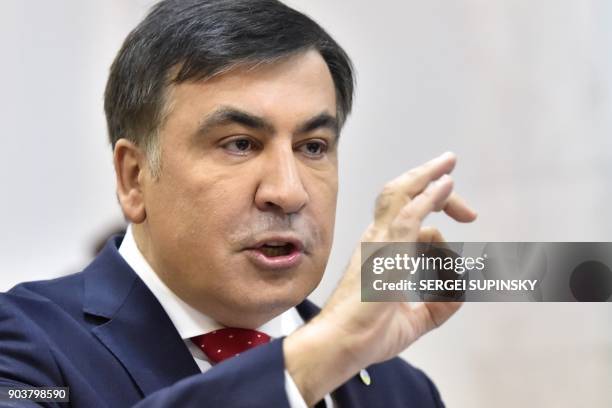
(275, 243)
(275, 251)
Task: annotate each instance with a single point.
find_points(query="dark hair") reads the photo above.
(183, 40)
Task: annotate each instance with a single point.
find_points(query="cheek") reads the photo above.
(325, 193)
(323, 207)
(195, 206)
(215, 208)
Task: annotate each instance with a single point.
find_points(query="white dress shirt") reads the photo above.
(189, 322)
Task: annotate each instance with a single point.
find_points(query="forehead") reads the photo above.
(286, 90)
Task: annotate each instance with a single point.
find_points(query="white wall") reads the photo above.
(56, 166)
(521, 90)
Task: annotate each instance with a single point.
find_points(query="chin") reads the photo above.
(262, 306)
(270, 303)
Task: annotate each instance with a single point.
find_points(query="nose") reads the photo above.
(281, 187)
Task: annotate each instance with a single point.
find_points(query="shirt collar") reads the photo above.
(188, 321)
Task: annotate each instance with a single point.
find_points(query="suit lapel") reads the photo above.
(138, 333)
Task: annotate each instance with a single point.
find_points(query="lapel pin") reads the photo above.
(365, 377)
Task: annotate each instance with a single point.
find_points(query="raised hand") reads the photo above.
(349, 334)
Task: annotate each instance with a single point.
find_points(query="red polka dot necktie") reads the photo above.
(225, 343)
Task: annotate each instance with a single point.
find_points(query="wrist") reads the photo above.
(320, 357)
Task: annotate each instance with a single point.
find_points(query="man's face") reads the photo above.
(239, 223)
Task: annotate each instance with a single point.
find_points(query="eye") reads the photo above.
(240, 146)
(314, 148)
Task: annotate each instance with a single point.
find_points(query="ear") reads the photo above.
(130, 167)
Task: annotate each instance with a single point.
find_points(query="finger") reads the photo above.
(432, 238)
(458, 209)
(441, 311)
(432, 198)
(427, 235)
(397, 192)
(431, 235)
(426, 316)
(406, 226)
(416, 180)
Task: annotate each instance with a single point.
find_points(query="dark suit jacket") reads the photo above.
(102, 333)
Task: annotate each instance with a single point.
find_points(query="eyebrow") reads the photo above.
(322, 121)
(227, 115)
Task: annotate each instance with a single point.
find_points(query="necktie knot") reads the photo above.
(225, 343)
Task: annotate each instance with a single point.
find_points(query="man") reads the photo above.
(224, 117)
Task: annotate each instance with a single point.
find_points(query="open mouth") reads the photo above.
(280, 253)
(274, 249)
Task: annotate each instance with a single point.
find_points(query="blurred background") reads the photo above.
(521, 90)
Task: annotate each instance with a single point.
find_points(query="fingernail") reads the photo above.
(447, 155)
